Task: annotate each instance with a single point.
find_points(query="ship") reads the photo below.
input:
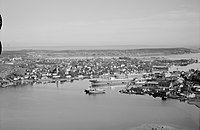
(109, 82)
(94, 90)
(114, 80)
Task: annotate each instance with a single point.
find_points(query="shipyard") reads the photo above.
(133, 79)
(157, 77)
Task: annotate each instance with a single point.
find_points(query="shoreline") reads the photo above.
(26, 82)
(157, 127)
(196, 103)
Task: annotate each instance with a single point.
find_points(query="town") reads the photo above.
(155, 78)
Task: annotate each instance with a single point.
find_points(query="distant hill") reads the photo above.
(100, 53)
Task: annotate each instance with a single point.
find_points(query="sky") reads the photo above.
(136, 23)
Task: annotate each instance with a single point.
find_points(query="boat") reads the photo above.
(93, 90)
(164, 97)
(109, 82)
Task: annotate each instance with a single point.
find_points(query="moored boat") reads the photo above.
(93, 90)
(109, 82)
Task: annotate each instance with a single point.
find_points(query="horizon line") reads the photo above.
(107, 47)
(94, 47)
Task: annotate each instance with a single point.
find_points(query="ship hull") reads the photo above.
(109, 82)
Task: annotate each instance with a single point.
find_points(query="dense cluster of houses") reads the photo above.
(176, 85)
(155, 78)
(51, 69)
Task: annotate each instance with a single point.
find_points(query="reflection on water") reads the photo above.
(67, 107)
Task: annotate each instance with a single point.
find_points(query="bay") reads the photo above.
(67, 107)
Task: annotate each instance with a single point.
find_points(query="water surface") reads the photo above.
(46, 107)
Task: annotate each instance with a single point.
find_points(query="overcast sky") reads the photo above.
(145, 23)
